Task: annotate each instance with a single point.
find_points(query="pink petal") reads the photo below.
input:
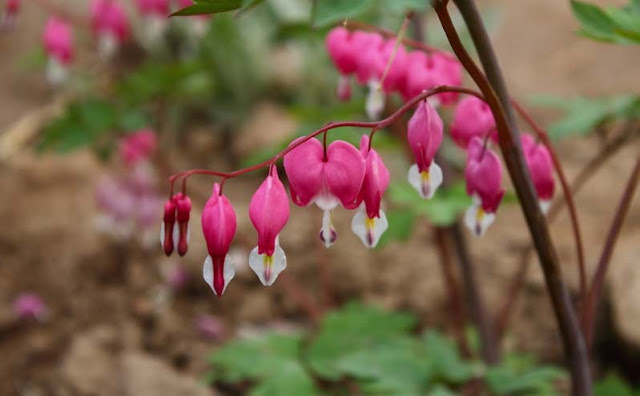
(269, 212)
(304, 166)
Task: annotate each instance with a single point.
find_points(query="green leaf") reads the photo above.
(272, 361)
(592, 18)
(520, 375)
(352, 329)
(209, 7)
(404, 5)
(393, 367)
(442, 210)
(326, 12)
(583, 115)
(616, 25)
(445, 362)
(401, 224)
(612, 385)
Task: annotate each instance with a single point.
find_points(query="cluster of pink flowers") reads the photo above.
(369, 56)
(110, 25)
(9, 15)
(130, 202)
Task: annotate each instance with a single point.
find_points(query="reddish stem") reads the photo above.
(588, 313)
(568, 196)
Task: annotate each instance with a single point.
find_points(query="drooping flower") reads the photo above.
(395, 79)
(483, 174)
(58, 45)
(369, 70)
(137, 146)
(183, 209)
(110, 24)
(30, 306)
(219, 228)
(472, 118)
(450, 70)
(344, 57)
(269, 212)
(541, 169)
(326, 178)
(424, 134)
(370, 222)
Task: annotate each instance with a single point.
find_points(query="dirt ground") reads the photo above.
(113, 329)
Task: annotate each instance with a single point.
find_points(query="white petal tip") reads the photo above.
(228, 272)
(545, 205)
(477, 220)
(369, 230)
(268, 268)
(426, 183)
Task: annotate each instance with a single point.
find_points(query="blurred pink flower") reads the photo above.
(137, 146)
(209, 327)
(30, 306)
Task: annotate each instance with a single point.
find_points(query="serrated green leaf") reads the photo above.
(445, 362)
(289, 379)
(326, 12)
(392, 367)
(518, 374)
(203, 7)
(350, 330)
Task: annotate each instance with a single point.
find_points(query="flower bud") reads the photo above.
(424, 134)
(472, 118)
(169, 235)
(183, 208)
(541, 169)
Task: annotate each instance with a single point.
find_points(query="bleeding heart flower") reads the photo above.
(137, 146)
(110, 24)
(370, 67)
(156, 20)
(424, 134)
(326, 178)
(483, 175)
(370, 222)
(269, 212)
(396, 77)
(472, 118)
(11, 9)
(58, 44)
(169, 233)
(219, 228)
(30, 306)
(541, 169)
(344, 57)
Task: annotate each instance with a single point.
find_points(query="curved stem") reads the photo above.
(495, 92)
(568, 197)
(588, 313)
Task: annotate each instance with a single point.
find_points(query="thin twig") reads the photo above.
(588, 313)
(496, 95)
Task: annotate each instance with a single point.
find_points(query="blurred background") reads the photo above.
(89, 305)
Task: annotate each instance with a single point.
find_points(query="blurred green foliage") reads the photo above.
(613, 385)
(368, 351)
(610, 24)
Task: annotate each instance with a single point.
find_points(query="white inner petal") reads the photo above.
(328, 234)
(425, 183)
(107, 45)
(326, 201)
(476, 219)
(56, 72)
(545, 205)
(162, 234)
(268, 267)
(369, 230)
(375, 101)
(176, 236)
(228, 272)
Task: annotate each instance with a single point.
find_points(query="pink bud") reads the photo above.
(541, 168)
(370, 222)
(424, 134)
(58, 40)
(168, 233)
(30, 306)
(483, 174)
(472, 118)
(219, 228)
(326, 179)
(422, 74)
(269, 212)
(183, 209)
